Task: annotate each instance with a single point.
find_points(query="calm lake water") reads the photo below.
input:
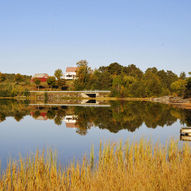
(72, 128)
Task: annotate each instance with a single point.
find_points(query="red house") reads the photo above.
(42, 77)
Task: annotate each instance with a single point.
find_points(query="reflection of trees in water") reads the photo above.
(13, 108)
(51, 114)
(121, 115)
(59, 116)
(187, 114)
(85, 119)
(2, 117)
(19, 116)
(184, 115)
(58, 120)
(81, 131)
(36, 114)
(126, 115)
(54, 113)
(157, 115)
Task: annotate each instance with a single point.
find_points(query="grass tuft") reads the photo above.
(137, 166)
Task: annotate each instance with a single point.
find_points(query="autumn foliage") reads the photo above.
(138, 166)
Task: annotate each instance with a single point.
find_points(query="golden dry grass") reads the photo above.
(137, 167)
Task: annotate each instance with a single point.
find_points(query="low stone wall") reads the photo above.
(51, 96)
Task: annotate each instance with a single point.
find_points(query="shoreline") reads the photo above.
(184, 104)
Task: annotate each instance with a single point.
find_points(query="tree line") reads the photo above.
(130, 81)
(123, 81)
(12, 85)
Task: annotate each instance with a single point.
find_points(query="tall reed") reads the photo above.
(138, 166)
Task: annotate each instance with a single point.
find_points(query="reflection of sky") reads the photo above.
(29, 134)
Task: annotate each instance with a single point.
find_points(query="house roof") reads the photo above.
(40, 75)
(71, 69)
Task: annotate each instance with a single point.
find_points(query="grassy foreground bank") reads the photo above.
(139, 166)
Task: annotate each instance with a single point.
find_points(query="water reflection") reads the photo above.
(120, 115)
(25, 126)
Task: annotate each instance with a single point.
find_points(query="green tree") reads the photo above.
(26, 93)
(152, 84)
(116, 86)
(138, 89)
(83, 75)
(187, 93)
(101, 80)
(167, 78)
(18, 78)
(51, 81)
(128, 80)
(114, 68)
(171, 77)
(2, 77)
(132, 70)
(182, 75)
(152, 70)
(37, 82)
(61, 83)
(58, 74)
(179, 87)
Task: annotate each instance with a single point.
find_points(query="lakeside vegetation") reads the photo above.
(137, 166)
(123, 81)
(130, 81)
(12, 85)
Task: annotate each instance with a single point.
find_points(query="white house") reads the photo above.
(70, 73)
(71, 121)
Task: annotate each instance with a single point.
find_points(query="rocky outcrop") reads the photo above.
(164, 99)
(171, 100)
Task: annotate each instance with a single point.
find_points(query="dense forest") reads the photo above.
(130, 81)
(123, 81)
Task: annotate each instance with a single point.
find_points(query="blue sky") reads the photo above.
(43, 35)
